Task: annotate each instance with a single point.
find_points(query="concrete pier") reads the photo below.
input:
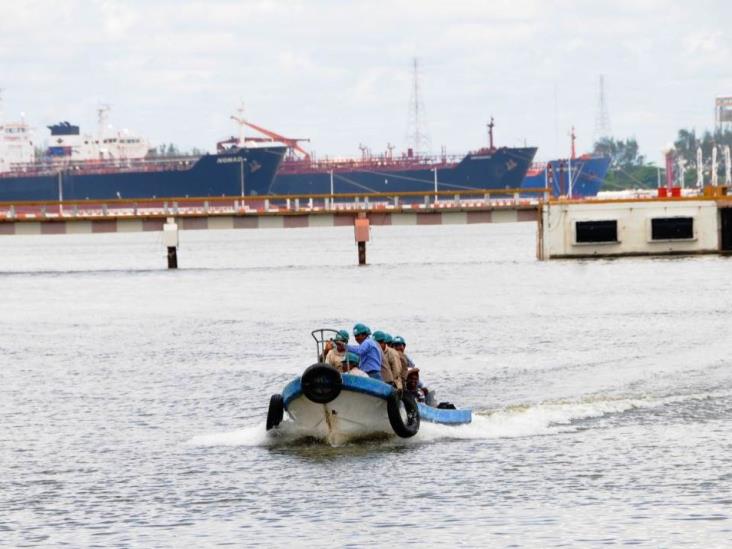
(665, 225)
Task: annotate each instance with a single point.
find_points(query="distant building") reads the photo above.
(723, 113)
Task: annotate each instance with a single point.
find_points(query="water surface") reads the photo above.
(133, 398)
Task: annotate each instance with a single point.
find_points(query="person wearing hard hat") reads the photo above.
(349, 365)
(335, 354)
(399, 345)
(391, 366)
(368, 351)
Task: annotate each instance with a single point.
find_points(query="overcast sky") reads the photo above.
(339, 72)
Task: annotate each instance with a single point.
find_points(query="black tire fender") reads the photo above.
(275, 412)
(321, 383)
(408, 427)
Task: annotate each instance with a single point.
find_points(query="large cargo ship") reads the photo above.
(301, 174)
(117, 164)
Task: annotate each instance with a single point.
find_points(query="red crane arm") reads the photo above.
(293, 143)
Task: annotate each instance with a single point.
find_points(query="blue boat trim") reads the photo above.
(367, 386)
(291, 391)
(440, 415)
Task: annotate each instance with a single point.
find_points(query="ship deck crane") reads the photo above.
(291, 142)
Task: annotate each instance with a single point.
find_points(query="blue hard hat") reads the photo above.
(359, 329)
(351, 358)
(342, 335)
(379, 336)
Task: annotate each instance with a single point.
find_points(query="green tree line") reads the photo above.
(630, 170)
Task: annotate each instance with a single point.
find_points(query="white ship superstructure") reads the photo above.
(16, 144)
(67, 142)
(66, 145)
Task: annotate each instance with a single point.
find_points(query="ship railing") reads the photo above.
(325, 165)
(463, 200)
(54, 167)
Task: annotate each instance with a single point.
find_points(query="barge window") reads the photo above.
(672, 228)
(596, 231)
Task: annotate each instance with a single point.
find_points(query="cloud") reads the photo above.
(339, 72)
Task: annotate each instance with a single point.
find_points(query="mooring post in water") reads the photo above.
(170, 241)
(361, 232)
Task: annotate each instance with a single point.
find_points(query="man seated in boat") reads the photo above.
(368, 351)
(414, 387)
(349, 365)
(335, 352)
(391, 364)
(398, 343)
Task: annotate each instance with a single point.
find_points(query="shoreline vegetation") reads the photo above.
(630, 170)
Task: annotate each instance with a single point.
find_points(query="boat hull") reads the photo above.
(503, 168)
(250, 170)
(588, 174)
(359, 411)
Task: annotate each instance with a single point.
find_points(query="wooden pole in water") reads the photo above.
(172, 257)
(170, 241)
(361, 232)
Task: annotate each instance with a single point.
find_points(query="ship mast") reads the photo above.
(102, 120)
(574, 138)
(240, 120)
(490, 134)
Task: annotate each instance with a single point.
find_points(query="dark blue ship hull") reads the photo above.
(240, 171)
(588, 173)
(502, 168)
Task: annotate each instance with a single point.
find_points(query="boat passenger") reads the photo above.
(349, 365)
(414, 387)
(399, 345)
(368, 351)
(391, 366)
(334, 354)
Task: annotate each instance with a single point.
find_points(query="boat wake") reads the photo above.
(523, 420)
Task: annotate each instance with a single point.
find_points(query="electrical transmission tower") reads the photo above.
(418, 138)
(602, 121)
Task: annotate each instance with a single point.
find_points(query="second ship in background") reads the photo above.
(487, 168)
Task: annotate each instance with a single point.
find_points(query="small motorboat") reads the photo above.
(329, 405)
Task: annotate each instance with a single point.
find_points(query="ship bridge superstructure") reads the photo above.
(67, 143)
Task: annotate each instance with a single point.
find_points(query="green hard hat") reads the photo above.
(398, 340)
(388, 338)
(359, 329)
(351, 358)
(379, 336)
(342, 335)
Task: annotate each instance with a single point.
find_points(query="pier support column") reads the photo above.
(170, 241)
(361, 232)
